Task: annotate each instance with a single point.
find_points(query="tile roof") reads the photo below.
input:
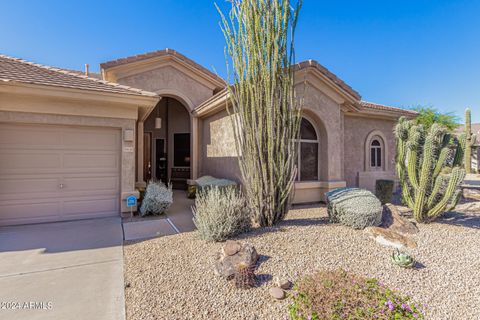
(159, 53)
(18, 70)
(330, 75)
(376, 106)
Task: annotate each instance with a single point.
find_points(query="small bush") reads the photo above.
(157, 199)
(354, 207)
(339, 295)
(220, 213)
(384, 190)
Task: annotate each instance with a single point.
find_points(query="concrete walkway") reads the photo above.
(65, 270)
(177, 219)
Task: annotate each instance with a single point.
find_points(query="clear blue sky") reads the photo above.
(401, 53)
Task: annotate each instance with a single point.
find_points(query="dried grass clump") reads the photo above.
(220, 213)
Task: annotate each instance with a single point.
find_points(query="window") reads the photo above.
(308, 152)
(376, 154)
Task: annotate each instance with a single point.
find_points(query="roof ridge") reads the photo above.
(369, 103)
(155, 53)
(82, 76)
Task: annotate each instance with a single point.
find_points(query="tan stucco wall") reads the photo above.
(168, 79)
(218, 156)
(357, 129)
(80, 117)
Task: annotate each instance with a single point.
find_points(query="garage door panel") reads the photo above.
(27, 136)
(91, 160)
(23, 209)
(14, 161)
(26, 187)
(86, 140)
(101, 184)
(55, 173)
(90, 205)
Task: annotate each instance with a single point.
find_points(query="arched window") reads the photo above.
(376, 154)
(308, 152)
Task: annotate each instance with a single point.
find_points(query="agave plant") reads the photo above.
(402, 259)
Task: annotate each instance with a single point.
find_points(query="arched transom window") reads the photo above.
(308, 152)
(376, 154)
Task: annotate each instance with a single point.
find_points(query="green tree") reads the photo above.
(266, 116)
(427, 116)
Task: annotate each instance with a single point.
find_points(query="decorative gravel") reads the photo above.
(172, 277)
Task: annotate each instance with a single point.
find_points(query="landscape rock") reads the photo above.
(392, 219)
(277, 293)
(471, 194)
(231, 247)
(285, 284)
(226, 265)
(390, 238)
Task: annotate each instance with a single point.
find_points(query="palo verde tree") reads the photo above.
(265, 113)
(429, 180)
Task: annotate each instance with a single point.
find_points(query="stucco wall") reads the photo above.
(169, 79)
(328, 120)
(356, 131)
(218, 156)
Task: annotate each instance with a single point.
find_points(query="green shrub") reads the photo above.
(220, 213)
(157, 199)
(339, 295)
(384, 190)
(354, 207)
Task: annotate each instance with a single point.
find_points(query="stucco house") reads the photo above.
(75, 146)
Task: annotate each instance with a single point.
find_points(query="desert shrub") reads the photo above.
(384, 190)
(220, 213)
(340, 295)
(157, 199)
(354, 207)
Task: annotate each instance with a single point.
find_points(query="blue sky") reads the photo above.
(401, 53)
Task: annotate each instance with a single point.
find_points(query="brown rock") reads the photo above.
(391, 219)
(226, 265)
(277, 293)
(390, 238)
(285, 284)
(231, 247)
(471, 194)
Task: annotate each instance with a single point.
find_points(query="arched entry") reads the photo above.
(167, 143)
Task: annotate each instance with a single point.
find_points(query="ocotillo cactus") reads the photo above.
(421, 158)
(469, 141)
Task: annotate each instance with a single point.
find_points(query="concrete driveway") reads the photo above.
(64, 270)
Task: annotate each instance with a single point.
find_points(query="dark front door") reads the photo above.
(160, 160)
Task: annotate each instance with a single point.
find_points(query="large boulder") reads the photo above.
(232, 255)
(393, 220)
(354, 207)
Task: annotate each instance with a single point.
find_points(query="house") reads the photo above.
(74, 146)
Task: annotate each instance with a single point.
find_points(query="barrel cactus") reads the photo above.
(402, 259)
(469, 141)
(427, 188)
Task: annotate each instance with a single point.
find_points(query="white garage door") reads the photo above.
(54, 173)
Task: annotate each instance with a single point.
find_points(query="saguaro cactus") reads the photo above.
(421, 159)
(469, 141)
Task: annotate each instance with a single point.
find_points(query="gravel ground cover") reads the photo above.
(172, 277)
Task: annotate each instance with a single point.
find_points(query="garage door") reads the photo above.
(54, 173)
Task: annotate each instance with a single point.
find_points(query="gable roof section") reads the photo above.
(162, 53)
(330, 75)
(370, 106)
(18, 70)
